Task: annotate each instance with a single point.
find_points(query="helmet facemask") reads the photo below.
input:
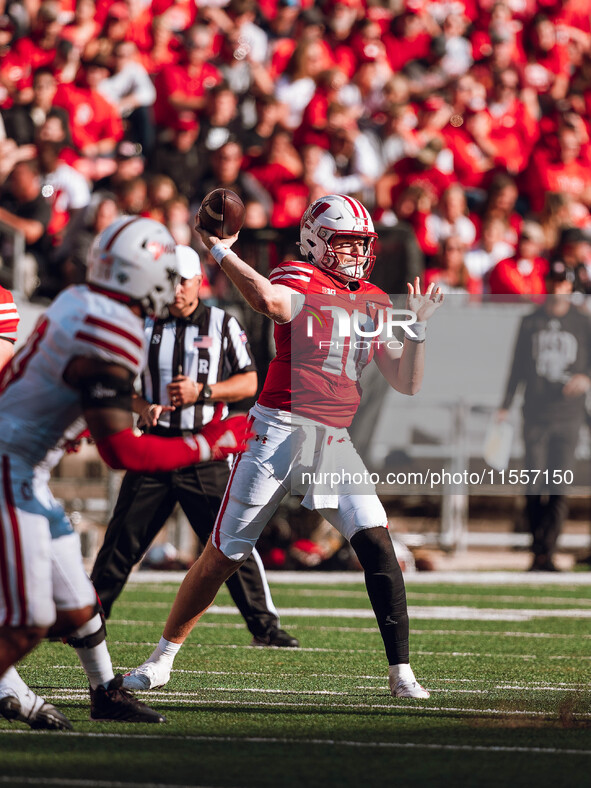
(358, 264)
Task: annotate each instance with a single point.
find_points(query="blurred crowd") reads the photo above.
(463, 121)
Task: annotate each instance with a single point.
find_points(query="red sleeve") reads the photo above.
(296, 275)
(149, 453)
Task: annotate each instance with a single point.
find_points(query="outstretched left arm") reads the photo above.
(403, 368)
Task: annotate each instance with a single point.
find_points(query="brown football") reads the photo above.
(222, 213)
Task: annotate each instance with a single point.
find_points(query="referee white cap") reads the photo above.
(188, 263)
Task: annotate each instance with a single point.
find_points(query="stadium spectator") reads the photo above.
(525, 273)
(267, 115)
(547, 66)
(219, 121)
(161, 189)
(296, 86)
(450, 273)
(63, 187)
(179, 158)
(163, 46)
(181, 87)
(501, 197)
(131, 91)
(95, 123)
(450, 218)
(176, 220)
(226, 170)
(25, 209)
(129, 161)
(564, 170)
(116, 28)
(410, 38)
(574, 250)
(557, 214)
(490, 249)
(84, 26)
(22, 121)
(245, 76)
(81, 232)
(132, 196)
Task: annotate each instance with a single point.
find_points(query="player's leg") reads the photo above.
(362, 520)
(26, 602)
(143, 506)
(251, 497)
(82, 626)
(200, 492)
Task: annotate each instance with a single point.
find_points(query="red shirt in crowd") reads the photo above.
(548, 173)
(179, 78)
(515, 276)
(92, 117)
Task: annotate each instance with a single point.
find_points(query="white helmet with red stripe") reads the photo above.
(329, 217)
(135, 259)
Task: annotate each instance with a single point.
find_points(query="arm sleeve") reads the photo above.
(150, 453)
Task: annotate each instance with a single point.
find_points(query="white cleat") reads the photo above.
(150, 675)
(409, 689)
(403, 683)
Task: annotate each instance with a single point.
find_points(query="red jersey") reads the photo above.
(8, 316)
(319, 358)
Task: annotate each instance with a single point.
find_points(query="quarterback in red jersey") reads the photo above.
(310, 395)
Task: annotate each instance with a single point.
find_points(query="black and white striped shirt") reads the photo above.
(209, 346)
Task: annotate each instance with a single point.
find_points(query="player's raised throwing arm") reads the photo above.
(271, 300)
(403, 369)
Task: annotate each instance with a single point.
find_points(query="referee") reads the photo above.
(197, 357)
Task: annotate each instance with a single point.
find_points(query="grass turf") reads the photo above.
(510, 700)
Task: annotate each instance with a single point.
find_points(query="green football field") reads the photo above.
(508, 666)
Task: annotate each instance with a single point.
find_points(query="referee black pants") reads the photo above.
(144, 504)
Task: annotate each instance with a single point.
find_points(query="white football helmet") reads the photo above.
(328, 217)
(135, 258)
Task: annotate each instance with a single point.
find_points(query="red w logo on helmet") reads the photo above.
(320, 208)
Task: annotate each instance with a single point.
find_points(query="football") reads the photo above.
(222, 213)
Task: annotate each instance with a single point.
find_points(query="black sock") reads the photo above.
(385, 587)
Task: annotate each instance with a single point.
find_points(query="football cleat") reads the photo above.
(277, 638)
(409, 689)
(114, 703)
(150, 675)
(35, 712)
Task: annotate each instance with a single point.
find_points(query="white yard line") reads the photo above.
(559, 685)
(435, 612)
(418, 652)
(574, 579)
(373, 630)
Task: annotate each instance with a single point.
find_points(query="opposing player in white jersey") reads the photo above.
(310, 396)
(81, 360)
